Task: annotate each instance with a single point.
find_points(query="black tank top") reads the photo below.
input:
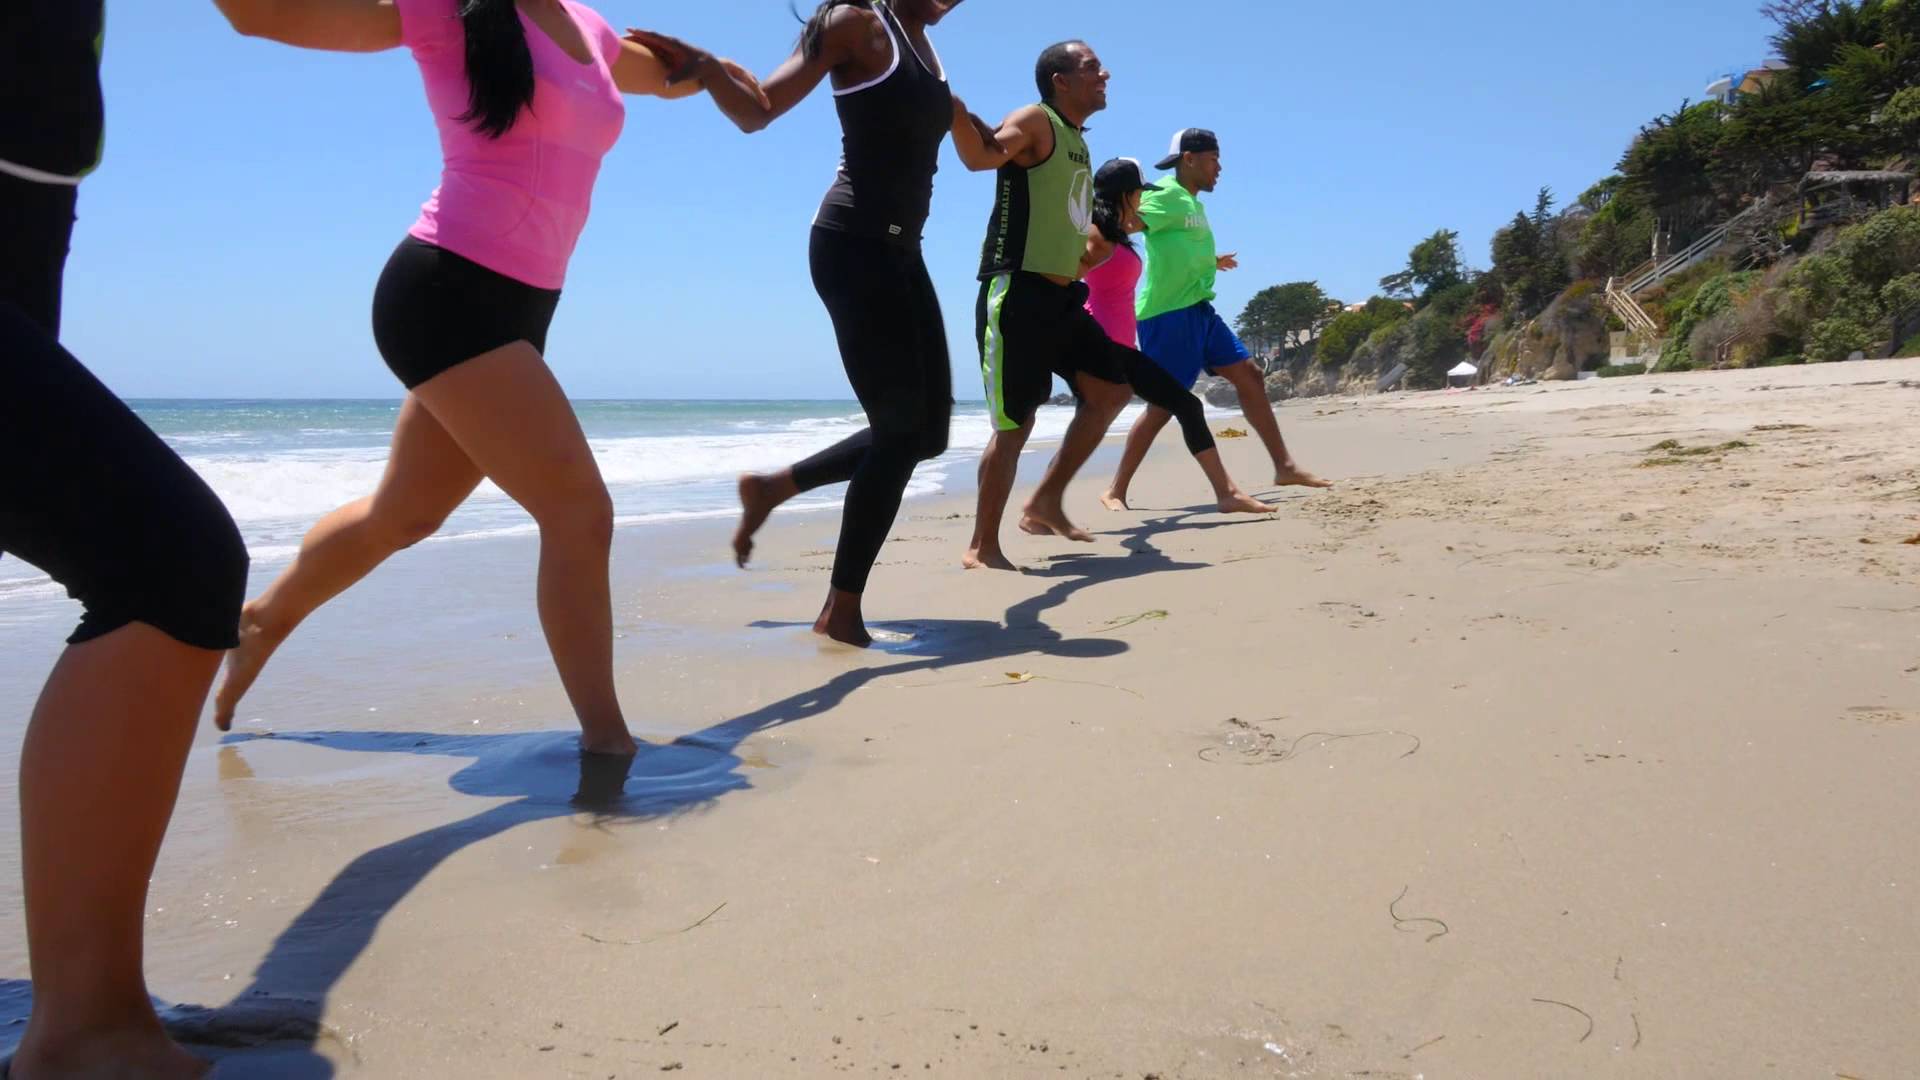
(50, 110)
(891, 129)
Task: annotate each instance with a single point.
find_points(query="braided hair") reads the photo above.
(815, 29)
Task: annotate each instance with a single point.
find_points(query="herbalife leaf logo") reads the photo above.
(1080, 200)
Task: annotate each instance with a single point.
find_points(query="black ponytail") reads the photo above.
(1106, 218)
(499, 66)
(816, 26)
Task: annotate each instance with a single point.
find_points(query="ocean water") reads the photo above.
(281, 465)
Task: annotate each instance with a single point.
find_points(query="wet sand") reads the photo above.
(1529, 751)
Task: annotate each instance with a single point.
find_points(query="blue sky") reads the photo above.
(252, 192)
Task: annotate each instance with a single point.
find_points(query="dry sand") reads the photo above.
(1528, 752)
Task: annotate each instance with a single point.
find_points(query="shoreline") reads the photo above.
(1503, 719)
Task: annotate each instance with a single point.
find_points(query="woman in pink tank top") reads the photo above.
(1111, 286)
(528, 99)
(1112, 265)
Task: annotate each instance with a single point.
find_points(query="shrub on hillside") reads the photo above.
(1847, 298)
(1712, 297)
(1671, 298)
(1344, 336)
(1711, 334)
(1580, 290)
(1838, 338)
(1435, 345)
(1481, 326)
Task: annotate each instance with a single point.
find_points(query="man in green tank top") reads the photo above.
(1030, 320)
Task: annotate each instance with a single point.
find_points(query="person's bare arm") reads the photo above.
(645, 71)
(361, 26)
(1099, 250)
(852, 36)
(1024, 138)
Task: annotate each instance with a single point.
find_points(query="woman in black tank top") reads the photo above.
(895, 110)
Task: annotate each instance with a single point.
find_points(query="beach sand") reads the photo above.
(1527, 752)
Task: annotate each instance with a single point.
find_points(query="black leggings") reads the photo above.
(894, 345)
(89, 493)
(1156, 387)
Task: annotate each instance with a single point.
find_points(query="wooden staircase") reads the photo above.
(1623, 292)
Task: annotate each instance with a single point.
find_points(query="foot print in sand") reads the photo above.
(1594, 757)
(1355, 615)
(1248, 742)
(1882, 716)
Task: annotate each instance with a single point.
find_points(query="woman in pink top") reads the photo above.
(527, 96)
(1112, 265)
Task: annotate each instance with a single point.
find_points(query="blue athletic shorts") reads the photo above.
(1186, 342)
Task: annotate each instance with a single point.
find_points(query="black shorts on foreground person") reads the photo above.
(1031, 329)
(94, 498)
(434, 310)
(90, 494)
(37, 222)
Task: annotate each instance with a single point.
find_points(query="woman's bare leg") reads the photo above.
(1139, 441)
(99, 776)
(428, 476)
(507, 412)
(760, 496)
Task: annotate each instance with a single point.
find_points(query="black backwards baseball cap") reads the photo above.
(1189, 141)
(1119, 178)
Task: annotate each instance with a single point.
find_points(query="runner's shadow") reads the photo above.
(275, 1026)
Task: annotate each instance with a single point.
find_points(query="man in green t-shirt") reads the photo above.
(1179, 329)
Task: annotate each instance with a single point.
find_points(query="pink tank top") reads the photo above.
(1110, 288)
(516, 204)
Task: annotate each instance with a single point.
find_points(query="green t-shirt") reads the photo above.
(1181, 257)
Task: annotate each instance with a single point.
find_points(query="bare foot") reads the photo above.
(982, 558)
(757, 500)
(244, 664)
(144, 1054)
(617, 744)
(1292, 476)
(841, 620)
(1239, 503)
(1113, 501)
(1047, 522)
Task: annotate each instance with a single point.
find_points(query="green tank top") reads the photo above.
(1041, 215)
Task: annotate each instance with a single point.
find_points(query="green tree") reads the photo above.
(1528, 259)
(1433, 265)
(1849, 297)
(1812, 37)
(1348, 331)
(1255, 324)
(1309, 312)
(1900, 121)
(1669, 167)
(1614, 241)
(1430, 344)
(1774, 137)
(1286, 316)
